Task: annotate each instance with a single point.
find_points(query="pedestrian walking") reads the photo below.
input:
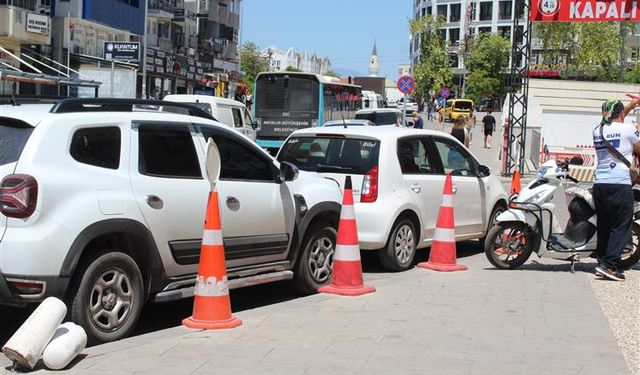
(470, 125)
(615, 142)
(459, 131)
(417, 120)
(489, 127)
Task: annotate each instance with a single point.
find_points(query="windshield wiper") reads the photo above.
(332, 168)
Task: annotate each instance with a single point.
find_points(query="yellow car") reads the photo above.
(455, 108)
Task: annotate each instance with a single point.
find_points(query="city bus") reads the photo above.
(286, 101)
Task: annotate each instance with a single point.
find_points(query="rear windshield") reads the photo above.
(328, 154)
(462, 105)
(13, 137)
(378, 118)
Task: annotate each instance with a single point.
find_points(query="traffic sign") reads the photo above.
(445, 92)
(406, 84)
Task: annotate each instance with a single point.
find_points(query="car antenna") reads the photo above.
(344, 123)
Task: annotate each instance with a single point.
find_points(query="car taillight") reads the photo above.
(369, 191)
(18, 196)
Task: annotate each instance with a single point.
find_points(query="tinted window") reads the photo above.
(463, 105)
(325, 154)
(413, 158)
(167, 151)
(378, 118)
(97, 146)
(239, 161)
(454, 159)
(13, 137)
(237, 117)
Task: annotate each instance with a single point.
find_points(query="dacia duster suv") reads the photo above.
(102, 204)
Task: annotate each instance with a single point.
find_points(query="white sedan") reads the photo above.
(398, 176)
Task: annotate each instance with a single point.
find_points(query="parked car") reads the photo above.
(103, 205)
(411, 107)
(349, 122)
(398, 176)
(381, 116)
(227, 111)
(455, 108)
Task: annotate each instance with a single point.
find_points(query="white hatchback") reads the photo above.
(398, 176)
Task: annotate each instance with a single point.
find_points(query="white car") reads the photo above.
(412, 105)
(381, 116)
(398, 177)
(349, 122)
(102, 204)
(227, 111)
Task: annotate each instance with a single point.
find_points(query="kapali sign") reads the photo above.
(584, 10)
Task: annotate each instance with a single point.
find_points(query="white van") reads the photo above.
(371, 100)
(229, 112)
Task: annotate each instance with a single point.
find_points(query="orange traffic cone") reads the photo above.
(212, 306)
(443, 248)
(515, 183)
(347, 269)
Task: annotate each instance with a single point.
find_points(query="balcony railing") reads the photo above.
(161, 5)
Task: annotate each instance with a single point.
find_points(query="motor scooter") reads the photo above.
(530, 225)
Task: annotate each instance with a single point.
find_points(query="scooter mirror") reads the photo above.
(576, 160)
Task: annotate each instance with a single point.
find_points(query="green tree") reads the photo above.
(252, 62)
(331, 73)
(487, 62)
(559, 40)
(598, 44)
(291, 68)
(433, 70)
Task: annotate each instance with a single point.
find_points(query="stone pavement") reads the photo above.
(537, 320)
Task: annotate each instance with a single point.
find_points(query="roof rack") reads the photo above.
(125, 105)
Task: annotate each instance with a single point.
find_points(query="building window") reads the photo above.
(455, 62)
(473, 11)
(486, 11)
(504, 10)
(424, 11)
(429, 13)
(442, 11)
(482, 30)
(443, 34)
(504, 31)
(454, 36)
(455, 13)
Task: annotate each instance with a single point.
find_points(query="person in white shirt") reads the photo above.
(612, 189)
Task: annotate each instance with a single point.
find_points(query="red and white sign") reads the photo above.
(584, 10)
(406, 84)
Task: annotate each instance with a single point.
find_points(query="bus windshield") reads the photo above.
(283, 93)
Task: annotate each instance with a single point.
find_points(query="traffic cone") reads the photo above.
(347, 279)
(515, 183)
(442, 256)
(211, 305)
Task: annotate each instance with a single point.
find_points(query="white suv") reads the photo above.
(398, 176)
(102, 203)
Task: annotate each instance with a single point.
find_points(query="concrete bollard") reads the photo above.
(67, 342)
(26, 345)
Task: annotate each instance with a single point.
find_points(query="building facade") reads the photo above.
(280, 59)
(463, 20)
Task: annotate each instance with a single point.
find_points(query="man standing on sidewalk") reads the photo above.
(615, 142)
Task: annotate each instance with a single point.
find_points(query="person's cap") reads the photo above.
(611, 109)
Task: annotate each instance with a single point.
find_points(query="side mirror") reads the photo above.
(254, 125)
(484, 171)
(288, 172)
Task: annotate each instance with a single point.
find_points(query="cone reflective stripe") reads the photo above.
(211, 305)
(347, 269)
(442, 256)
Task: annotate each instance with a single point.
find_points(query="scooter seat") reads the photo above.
(576, 235)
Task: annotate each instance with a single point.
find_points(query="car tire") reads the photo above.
(315, 263)
(108, 295)
(398, 254)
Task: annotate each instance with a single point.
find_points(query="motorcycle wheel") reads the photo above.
(629, 259)
(508, 245)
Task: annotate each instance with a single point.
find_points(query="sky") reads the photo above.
(342, 30)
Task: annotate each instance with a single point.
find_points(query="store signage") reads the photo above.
(124, 51)
(38, 24)
(584, 10)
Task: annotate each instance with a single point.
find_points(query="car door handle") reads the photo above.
(454, 189)
(155, 202)
(233, 203)
(416, 188)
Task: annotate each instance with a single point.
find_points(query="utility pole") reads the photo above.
(144, 93)
(623, 57)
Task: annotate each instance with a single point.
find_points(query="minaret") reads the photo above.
(373, 66)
